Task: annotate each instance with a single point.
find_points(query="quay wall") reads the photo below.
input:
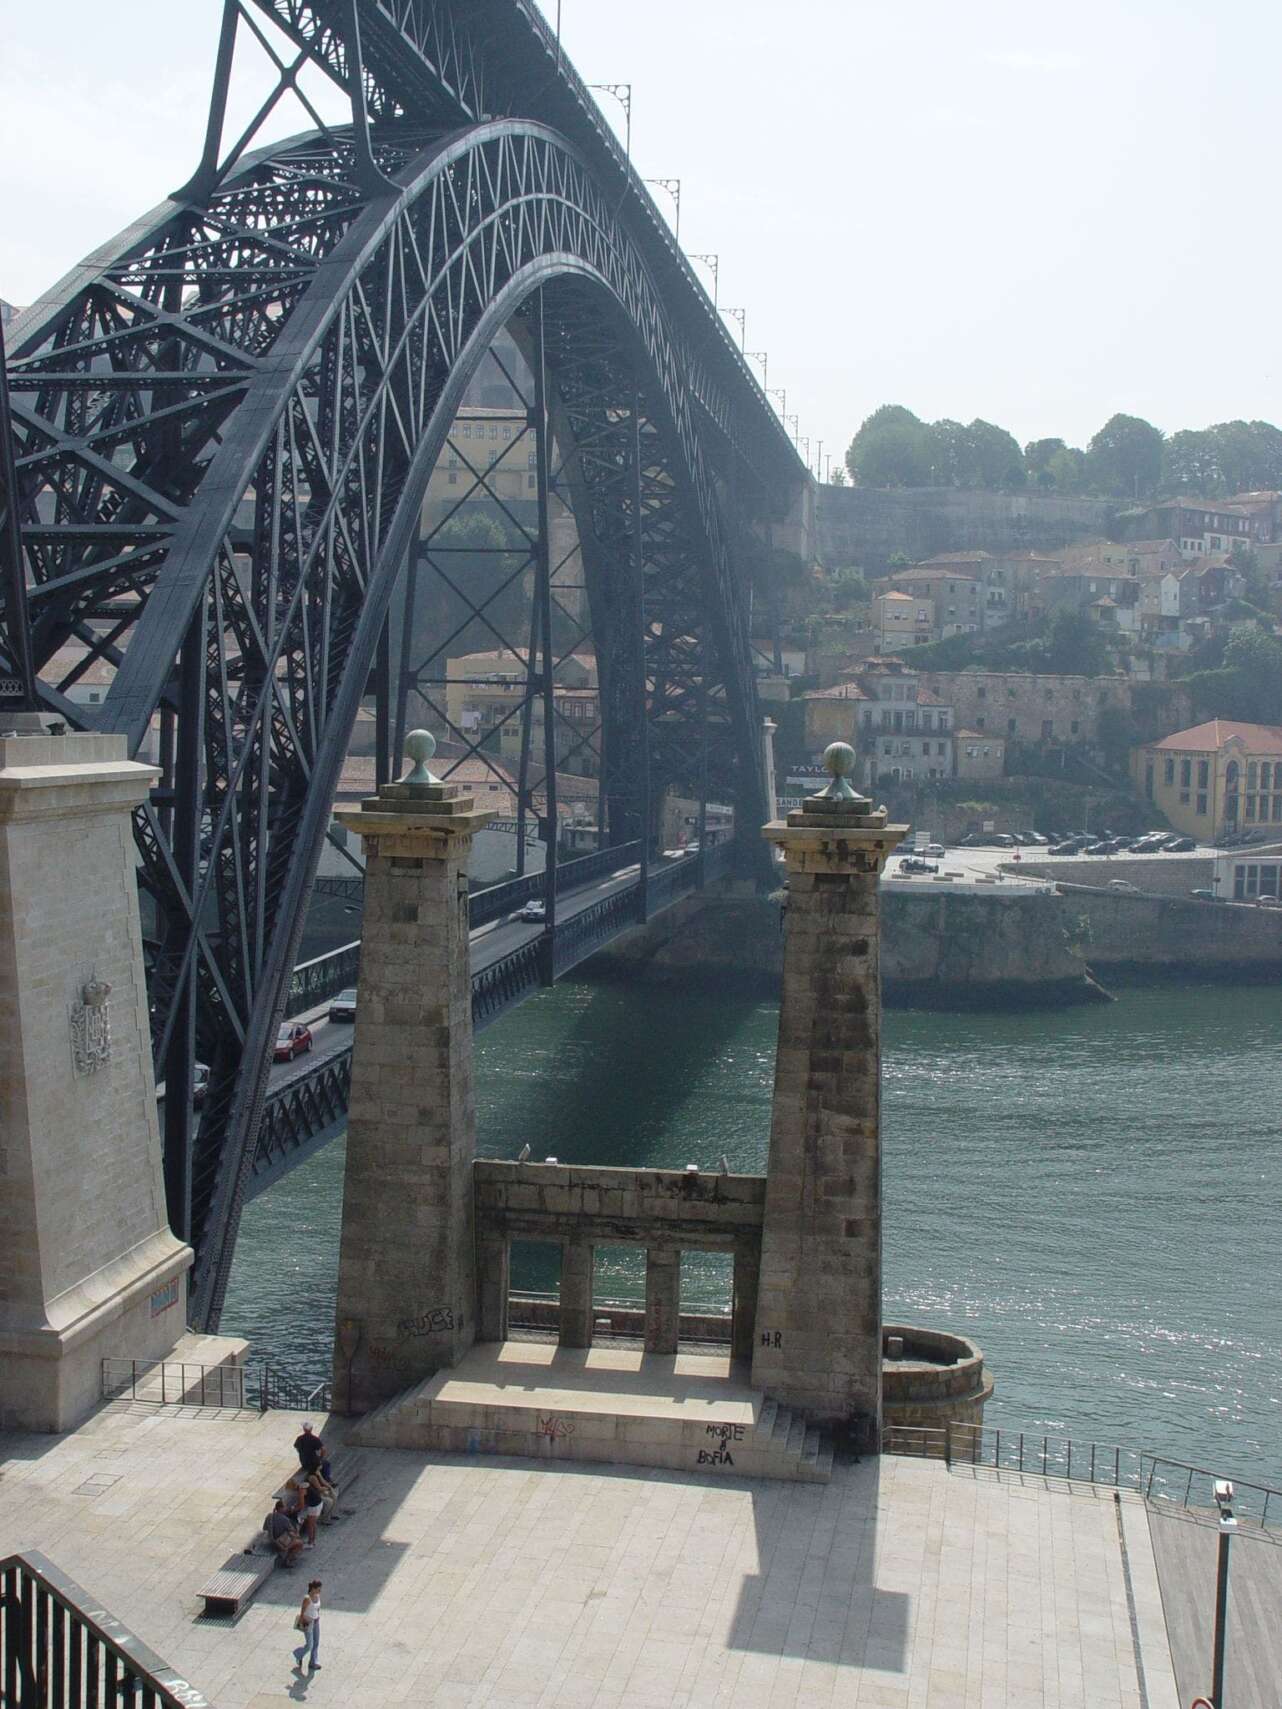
(956, 950)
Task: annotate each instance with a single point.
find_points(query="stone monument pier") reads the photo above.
(818, 1344)
(88, 1266)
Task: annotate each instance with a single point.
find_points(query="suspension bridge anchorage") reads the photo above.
(222, 430)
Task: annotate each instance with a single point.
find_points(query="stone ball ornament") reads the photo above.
(839, 762)
(420, 745)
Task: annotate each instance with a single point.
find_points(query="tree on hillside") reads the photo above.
(1248, 686)
(1037, 460)
(1068, 470)
(1249, 455)
(891, 449)
(1074, 645)
(838, 477)
(997, 459)
(1191, 464)
(1124, 459)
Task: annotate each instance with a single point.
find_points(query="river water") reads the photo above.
(1094, 1194)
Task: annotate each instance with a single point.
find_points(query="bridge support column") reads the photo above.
(818, 1329)
(662, 1299)
(576, 1294)
(407, 1293)
(88, 1266)
(747, 1280)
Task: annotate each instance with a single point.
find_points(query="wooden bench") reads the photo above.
(238, 1580)
(228, 1591)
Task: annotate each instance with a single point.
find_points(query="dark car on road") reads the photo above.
(910, 863)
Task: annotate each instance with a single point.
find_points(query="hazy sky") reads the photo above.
(1035, 214)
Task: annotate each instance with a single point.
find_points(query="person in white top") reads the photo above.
(308, 1623)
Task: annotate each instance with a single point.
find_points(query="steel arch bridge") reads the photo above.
(220, 431)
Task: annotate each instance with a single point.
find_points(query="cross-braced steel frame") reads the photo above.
(222, 429)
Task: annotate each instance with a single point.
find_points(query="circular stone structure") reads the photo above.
(930, 1379)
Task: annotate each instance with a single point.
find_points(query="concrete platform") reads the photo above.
(478, 1582)
(686, 1411)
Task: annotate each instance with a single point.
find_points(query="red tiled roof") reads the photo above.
(956, 558)
(839, 691)
(1211, 737)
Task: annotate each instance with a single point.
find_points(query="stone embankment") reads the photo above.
(966, 950)
(948, 950)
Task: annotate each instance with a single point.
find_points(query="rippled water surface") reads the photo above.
(1095, 1194)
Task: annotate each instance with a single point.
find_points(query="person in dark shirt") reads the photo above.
(283, 1534)
(310, 1450)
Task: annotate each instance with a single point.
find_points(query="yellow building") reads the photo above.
(901, 620)
(1214, 779)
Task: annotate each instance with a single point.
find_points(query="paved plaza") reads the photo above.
(468, 1581)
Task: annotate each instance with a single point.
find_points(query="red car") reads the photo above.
(291, 1041)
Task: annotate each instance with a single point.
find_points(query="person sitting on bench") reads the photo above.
(282, 1533)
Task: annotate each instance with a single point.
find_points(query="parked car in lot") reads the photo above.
(1203, 895)
(1269, 901)
(343, 1007)
(199, 1083)
(1063, 849)
(1180, 845)
(910, 863)
(935, 851)
(292, 1039)
(533, 913)
(1123, 885)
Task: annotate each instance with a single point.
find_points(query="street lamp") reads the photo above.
(1228, 1525)
(622, 93)
(673, 187)
(713, 264)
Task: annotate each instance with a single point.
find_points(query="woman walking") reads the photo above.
(308, 1623)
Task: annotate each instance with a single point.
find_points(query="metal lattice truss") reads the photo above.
(222, 435)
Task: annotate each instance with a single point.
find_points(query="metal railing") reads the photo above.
(578, 937)
(315, 981)
(173, 1382)
(497, 987)
(497, 899)
(60, 1650)
(276, 1390)
(1157, 1477)
(304, 1111)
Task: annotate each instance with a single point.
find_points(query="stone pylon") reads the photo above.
(88, 1266)
(818, 1327)
(407, 1268)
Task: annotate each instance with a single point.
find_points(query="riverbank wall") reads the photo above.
(957, 950)
(939, 950)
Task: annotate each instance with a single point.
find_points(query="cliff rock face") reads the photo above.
(937, 951)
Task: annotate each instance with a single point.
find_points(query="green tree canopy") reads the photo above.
(1124, 458)
(1037, 460)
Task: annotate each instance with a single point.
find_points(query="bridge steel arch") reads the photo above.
(223, 427)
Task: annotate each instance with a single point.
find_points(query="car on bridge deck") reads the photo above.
(343, 1007)
(292, 1039)
(199, 1083)
(533, 913)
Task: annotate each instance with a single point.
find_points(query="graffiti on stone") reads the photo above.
(436, 1320)
(554, 1427)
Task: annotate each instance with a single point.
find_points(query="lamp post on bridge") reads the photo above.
(713, 264)
(673, 187)
(622, 93)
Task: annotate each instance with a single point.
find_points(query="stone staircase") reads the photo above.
(654, 1417)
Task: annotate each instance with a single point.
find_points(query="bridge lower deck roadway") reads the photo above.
(490, 943)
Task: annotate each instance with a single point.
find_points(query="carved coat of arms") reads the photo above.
(91, 1027)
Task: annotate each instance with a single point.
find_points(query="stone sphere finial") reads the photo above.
(839, 759)
(420, 745)
(839, 762)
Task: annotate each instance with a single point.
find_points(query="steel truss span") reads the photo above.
(222, 429)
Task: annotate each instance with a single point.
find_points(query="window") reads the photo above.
(941, 748)
(1168, 771)
(1239, 883)
(467, 433)
(1250, 808)
(971, 751)
(494, 433)
(1184, 798)
(1252, 771)
(507, 433)
(887, 747)
(979, 723)
(531, 481)
(1268, 881)
(453, 478)
(981, 694)
(987, 751)
(1011, 693)
(1186, 773)
(1077, 694)
(1277, 809)
(1266, 778)
(1203, 773)
(1010, 726)
(1201, 806)
(1073, 727)
(1048, 729)
(1048, 695)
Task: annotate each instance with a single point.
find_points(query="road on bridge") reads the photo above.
(490, 943)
